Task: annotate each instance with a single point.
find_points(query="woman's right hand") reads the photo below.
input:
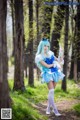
(46, 65)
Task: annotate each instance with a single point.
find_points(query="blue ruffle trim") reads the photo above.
(53, 76)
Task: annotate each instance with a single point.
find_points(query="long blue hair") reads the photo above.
(41, 45)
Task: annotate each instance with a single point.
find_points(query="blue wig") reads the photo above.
(41, 45)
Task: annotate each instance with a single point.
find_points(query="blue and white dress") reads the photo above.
(48, 74)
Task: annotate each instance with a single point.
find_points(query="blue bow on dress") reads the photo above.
(50, 61)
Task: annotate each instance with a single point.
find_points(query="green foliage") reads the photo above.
(36, 94)
(22, 109)
(72, 91)
(40, 91)
(77, 109)
(10, 82)
(24, 102)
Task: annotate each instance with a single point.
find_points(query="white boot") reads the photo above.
(51, 103)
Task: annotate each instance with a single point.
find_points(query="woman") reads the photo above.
(50, 71)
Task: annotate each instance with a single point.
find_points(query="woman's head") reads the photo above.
(44, 46)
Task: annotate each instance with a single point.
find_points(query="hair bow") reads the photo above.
(44, 39)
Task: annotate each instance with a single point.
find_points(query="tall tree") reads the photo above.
(73, 29)
(78, 40)
(4, 89)
(30, 44)
(19, 38)
(74, 55)
(13, 24)
(71, 74)
(46, 23)
(64, 85)
(37, 26)
(37, 20)
(76, 45)
(58, 23)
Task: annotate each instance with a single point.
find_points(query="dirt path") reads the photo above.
(64, 108)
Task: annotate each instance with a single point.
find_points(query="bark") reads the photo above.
(47, 17)
(30, 45)
(78, 41)
(71, 75)
(37, 20)
(58, 23)
(13, 25)
(5, 101)
(19, 50)
(64, 85)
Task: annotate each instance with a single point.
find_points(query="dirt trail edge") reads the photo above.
(64, 107)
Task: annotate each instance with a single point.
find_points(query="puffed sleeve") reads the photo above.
(51, 53)
(38, 58)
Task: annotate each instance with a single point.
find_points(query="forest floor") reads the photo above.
(64, 107)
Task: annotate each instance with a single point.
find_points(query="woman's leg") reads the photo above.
(54, 84)
(51, 99)
(50, 86)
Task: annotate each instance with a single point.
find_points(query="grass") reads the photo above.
(23, 102)
(22, 109)
(72, 91)
(77, 109)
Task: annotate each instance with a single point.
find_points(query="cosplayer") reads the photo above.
(50, 71)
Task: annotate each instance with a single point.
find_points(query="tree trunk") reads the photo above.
(37, 20)
(13, 25)
(64, 87)
(78, 41)
(37, 26)
(30, 44)
(4, 89)
(75, 70)
(58, 23)
(46, 25)
(19, 38)
(75, 55)
(71, 74)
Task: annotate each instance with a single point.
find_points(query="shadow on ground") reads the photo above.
(66, 114)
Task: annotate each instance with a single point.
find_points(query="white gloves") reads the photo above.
(56, 64)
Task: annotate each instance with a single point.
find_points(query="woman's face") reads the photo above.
(46, 48)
